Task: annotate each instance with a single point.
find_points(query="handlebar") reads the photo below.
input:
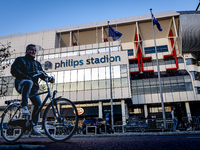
(39, 73)
(47, 78)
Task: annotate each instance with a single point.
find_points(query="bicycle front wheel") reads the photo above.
(12, 123)
(60, 121)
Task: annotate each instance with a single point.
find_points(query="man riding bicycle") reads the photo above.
(26, 84)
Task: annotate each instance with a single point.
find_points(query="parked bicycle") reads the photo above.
(61, 111)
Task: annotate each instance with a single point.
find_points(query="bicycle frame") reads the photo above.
(49, 95)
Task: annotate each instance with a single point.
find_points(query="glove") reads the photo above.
(51, 79)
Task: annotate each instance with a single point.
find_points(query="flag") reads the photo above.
(157, 23)
(114, 34)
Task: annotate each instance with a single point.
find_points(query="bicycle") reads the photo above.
(61, 111)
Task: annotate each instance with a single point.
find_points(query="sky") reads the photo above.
(20, 16)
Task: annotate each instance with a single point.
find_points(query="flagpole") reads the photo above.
(111, 96)
(161, 94)
(198, 6)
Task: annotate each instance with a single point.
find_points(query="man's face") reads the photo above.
(31, 52)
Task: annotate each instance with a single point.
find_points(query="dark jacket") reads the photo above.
(24, 68)
(178, 112)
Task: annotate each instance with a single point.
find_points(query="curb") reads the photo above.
(140, 134)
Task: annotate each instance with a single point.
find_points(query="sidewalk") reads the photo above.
(116, 134)
(140, 134)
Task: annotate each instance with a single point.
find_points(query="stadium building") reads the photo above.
(78, 57)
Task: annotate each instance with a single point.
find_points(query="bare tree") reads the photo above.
(5, 53)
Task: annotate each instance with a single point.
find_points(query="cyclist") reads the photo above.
(23, 70)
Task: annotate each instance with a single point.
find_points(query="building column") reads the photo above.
(70, 38)
(102, 35)
(123, 112)
(187, 106)
(100, 110)
(145, 111)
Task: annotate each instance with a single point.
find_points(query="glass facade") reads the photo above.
(78, 80)
(176, 81)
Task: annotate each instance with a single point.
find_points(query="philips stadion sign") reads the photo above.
(73, 63)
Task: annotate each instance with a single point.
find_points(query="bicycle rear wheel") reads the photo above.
(12, 123)
(60, 127)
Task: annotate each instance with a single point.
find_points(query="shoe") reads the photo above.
(177, 130)
(189, 129)
(25, 110)
(35, 131)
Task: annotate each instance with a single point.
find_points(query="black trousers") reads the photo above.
(180, 120)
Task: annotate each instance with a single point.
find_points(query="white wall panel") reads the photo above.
(181, 66)
(49, 40)
(80, 96)
(190, 95)
(18, 41)
(148, 98)
(168, 97)
(88, 95)
(183, 96)
(176, 96)
(192, 68)
(117, 93)
(126, 93)
(155, 68)
(5, 41)
(73, 96)
(102, 94)
(108, 93)
(155, 98)
(162, 68)
(95, 95)
(66, 95)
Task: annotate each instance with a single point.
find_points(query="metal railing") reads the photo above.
(156, 124)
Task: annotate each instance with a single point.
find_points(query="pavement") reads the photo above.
(116, 134)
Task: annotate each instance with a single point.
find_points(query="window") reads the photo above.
(88, 85)
(190, 61)
(60, 77)
(67, 87)
(67, 76)
(102, 84)
(95, 73)
(94, 85)
(88, 74)
(160, 49)
(73, 86)
(73, 75)
(130, 52)
(81, 75)
(116, 71)
(80, 86)
(116, 83)
(102, 73)
(124, 82)
(102, 50)
(114, 48)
